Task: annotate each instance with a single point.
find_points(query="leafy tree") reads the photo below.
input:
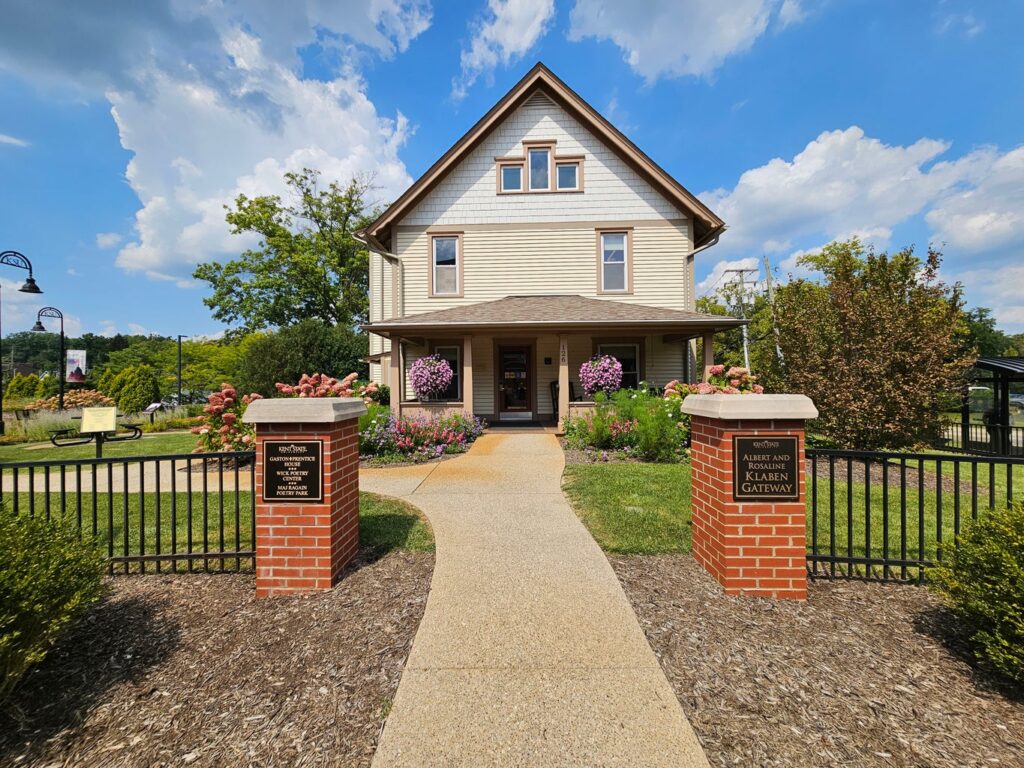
(875, 345)
(307, 264)
(983, 336)
(134, 388)
(306, 347)
(764, 361)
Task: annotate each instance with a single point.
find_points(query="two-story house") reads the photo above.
(541, 238)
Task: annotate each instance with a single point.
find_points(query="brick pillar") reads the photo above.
(748, 495)
(307, 491)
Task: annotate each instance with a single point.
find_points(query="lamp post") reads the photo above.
(178, 404)
(40, 328)
(14, 259)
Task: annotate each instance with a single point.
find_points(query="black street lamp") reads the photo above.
(14, 259)
(178, 404)
(40, 328)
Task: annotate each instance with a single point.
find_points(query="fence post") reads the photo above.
(307, 491)
(748, 491)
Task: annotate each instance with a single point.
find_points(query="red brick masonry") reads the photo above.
(304, 547)
(752, 548)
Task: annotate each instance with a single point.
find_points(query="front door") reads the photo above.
(514, 386)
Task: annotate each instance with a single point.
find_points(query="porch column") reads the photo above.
(396, 375)
(563, 377)
(467, 375)
(709, 353)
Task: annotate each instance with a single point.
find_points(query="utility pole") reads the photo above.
(178, 404)
(742, 285)
(771, 303)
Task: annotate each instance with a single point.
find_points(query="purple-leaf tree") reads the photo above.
(602, 373)
(430, 376)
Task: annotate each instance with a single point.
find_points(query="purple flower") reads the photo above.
(602, 373)
(430, 375)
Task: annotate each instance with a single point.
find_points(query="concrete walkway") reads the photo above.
(529, 653)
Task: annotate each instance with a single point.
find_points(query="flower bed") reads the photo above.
(386, 438)
(635, 424)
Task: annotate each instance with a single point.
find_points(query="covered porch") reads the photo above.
(517, 359)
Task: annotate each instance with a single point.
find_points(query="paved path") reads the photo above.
(529, 653)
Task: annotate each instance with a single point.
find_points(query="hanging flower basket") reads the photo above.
(602, 373)
(430, 376)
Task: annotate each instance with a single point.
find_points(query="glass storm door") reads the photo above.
(514, 381)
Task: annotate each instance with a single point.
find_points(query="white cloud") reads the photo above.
(507, 31)
(137, 330)
(108, 239)
(986, 213)
(673, 38)
(842, 182)
(999, 289)
(12, 140)
(791, 12)
(965, 24)
(210, 100)
(107, 328)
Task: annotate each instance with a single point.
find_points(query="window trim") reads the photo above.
(456, 371)
(638, 341)
(628, 232)
(505, 163)
(459, 265)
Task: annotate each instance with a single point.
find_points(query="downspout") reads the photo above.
(690, 355)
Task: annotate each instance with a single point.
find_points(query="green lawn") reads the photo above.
(148, 445)
(163, 523)
(633, 508)
(645, 509)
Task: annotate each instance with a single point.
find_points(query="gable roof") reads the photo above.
(706, 224)
(566, 311)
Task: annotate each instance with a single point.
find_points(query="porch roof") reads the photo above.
(554, 314)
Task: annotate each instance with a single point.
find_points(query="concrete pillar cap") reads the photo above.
(303, 410)
(735, 407)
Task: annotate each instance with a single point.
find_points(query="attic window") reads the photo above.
(540, 169)
(511, 177)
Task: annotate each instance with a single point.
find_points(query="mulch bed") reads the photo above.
(859, 675)
(193, 670)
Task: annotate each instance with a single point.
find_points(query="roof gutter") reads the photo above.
(712, 242)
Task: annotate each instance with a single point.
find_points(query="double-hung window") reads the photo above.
(452, 355)
(613, 262)
(445, 266)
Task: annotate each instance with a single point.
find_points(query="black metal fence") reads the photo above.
(188, 512)
(888, 516)
(987, 439)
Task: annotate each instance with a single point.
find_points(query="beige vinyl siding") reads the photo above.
(547, 347)
(664, 361)
(483, 375)
(550, 261)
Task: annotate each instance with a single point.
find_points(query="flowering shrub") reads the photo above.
(322, 385)
(602, 373)
(430, 376)
(734, 381)
(223, 429)
(76, 398)
(633, 422)
(383, 435)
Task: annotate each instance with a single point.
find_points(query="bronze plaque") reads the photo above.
(293, 470)
(765, 468)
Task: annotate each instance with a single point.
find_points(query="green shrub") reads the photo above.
(47, 578)
(983, 584)
(634, 421)
(134, 388)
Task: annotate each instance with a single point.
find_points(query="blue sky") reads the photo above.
(124, 129)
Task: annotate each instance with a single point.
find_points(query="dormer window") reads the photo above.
(539, 169)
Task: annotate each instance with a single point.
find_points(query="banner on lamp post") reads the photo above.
(74, 367)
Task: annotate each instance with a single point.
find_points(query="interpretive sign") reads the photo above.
(765, 468)
(98, 420)
(293, 470)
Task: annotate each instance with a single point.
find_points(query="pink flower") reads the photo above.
(716, 370)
